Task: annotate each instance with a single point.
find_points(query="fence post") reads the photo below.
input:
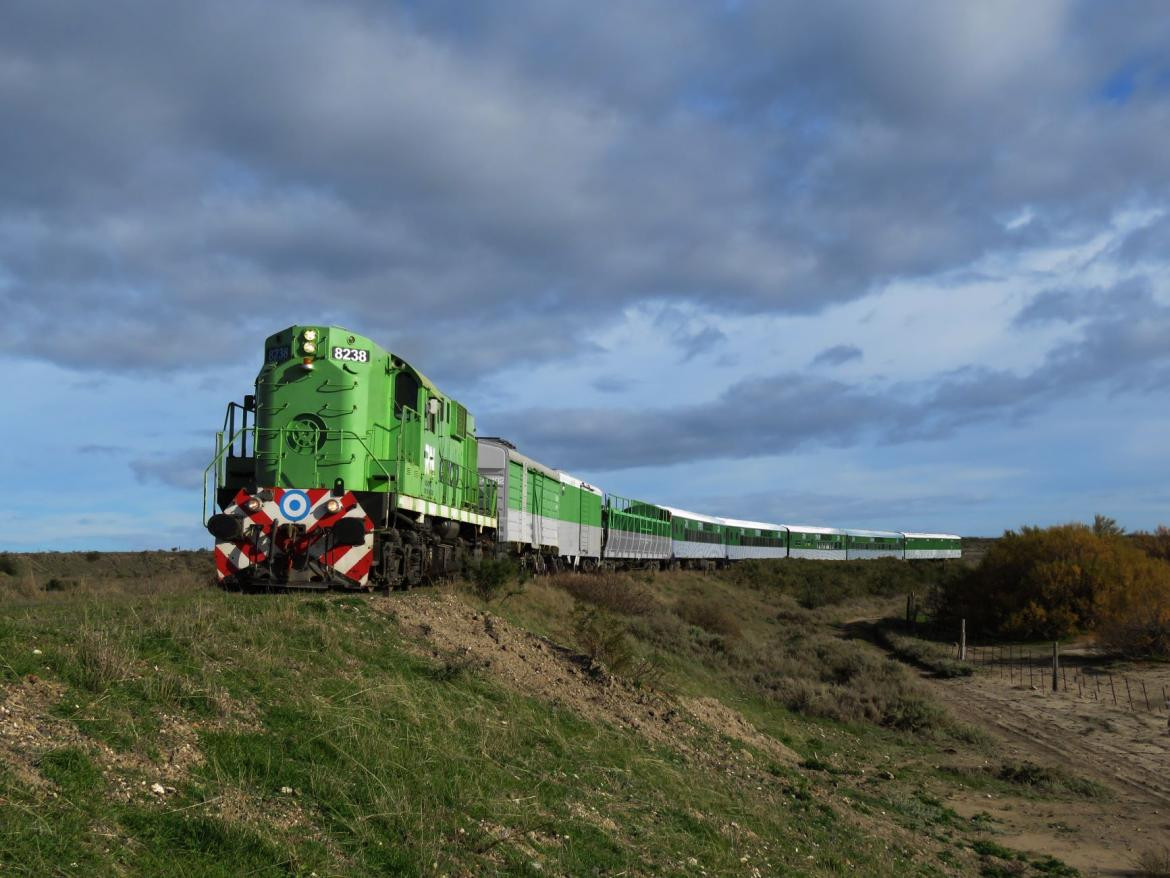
(1055, 664)
(963, 640)
(1128, 694)
(1145, 695)
(1112, 689)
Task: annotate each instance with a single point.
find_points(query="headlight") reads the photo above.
(308, 347)
(252, 504)
(332, 506)
(309, 334)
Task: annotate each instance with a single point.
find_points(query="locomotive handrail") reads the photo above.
(276, 454)
(217, 462)
(327, 411)
(339, 461)
(452, 477)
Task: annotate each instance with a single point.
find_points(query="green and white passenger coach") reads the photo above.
(348, 468)
(542, 512)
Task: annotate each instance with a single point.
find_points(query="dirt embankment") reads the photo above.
(703, 729)
(463, 636)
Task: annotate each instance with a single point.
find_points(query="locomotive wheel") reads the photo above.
(389, 560)
(412, 566)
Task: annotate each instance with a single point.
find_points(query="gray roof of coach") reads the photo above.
(855, 532)
(694, 516)
(758, 525)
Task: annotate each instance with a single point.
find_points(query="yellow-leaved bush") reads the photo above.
(1059, 581)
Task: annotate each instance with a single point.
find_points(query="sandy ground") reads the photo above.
(1127, 751)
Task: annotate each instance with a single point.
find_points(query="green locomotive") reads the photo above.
(347, 465)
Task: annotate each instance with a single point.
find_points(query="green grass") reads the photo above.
(930, 655)
(320, 740)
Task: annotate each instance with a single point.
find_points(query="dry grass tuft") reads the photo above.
(710, 614)
(1153, 864)
(98, 660)
(615, 592)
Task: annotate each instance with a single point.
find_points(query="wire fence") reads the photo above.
(1052, 670)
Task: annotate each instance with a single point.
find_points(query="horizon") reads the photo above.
(899, 267)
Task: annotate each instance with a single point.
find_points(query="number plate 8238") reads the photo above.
(354, 355)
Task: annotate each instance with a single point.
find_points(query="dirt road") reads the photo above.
(1126, 751)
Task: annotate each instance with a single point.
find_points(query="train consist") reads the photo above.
(347, 468)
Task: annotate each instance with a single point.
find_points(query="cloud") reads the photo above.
(102, 450)
(700, 342)
(1050, 305)
(837, 355)
(757, 416)
(182, 470)
(446, 178)
(611, 384)
(1123, 348)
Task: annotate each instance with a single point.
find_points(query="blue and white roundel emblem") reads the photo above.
(294, 505)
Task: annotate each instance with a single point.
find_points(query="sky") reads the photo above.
(896, 264)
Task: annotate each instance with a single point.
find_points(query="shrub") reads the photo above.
(1050, 780)
(489, 576)
(912, 714)
(602, 637)
(616, 592)
(1133, 617)
(817, 584)
(820, 675)
(932, 656)
(1156, 544)
(1104, 526)
(647, 673)
(1058, 581)
(709, 614)
(9, 565)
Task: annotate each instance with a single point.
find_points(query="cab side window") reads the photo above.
(405, 392)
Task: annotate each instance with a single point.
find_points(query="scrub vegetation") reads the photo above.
(714, 723)
(1057, 582)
